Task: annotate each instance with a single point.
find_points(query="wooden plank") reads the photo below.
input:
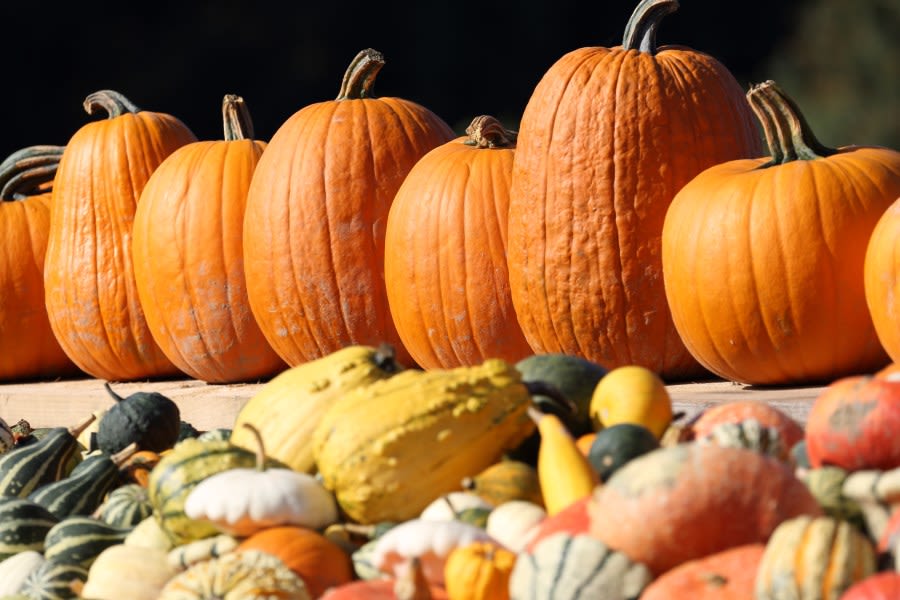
(207, 406)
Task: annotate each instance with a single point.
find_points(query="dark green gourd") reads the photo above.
(79, 540)
(23, 526)
(24, 468)
(84, 489)
(54, 580)
(149, 419)
(616, 445)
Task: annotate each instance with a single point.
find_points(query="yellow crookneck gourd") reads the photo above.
(288, 408)
(390, 448)
(564, 473)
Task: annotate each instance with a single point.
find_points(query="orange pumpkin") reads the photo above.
(188, 256)
(740, 410)
(763, 258)
(726, 575)
(445, 253)
(881, 276)
(316, 215)
(607, 139)
(318, 561)
(28, 347)
(479, 571)
(91, 294)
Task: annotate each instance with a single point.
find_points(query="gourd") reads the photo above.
(149, 419)
(316, 214)
(609, 135)
(7, 438)
(121, 572)
(28, 348)
(125, 506)
(16, 568)
(372, 459)
(778, 304)
(149, 534)
(726, 575)
(564, 472)
(184, 556)
(454, 505)
(23, 526)
(77, 540)
(193, 292)
(91, 296)
(514, 522)
(506, 480)
(878, 586)
(749, 434)
(287, 409)
(614, 446)
(445, 252)
(54, 580)
(479, 571)
(736, 411)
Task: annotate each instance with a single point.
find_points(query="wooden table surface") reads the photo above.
(207, 406)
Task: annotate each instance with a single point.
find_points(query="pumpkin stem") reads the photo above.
(236, 119)
(543, 388)
(114, 103)
(411, 583)
(640, 32)
(124, 454)
(360, 75)
(260, 448)
(486, 132)
(29, 171)
(385, 359)
(109, 389)
(787, 133)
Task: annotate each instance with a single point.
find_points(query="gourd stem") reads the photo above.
(260, 447)
(787, 133)
(360, 75)
(109, 389)
(543, 388)
(640, 32)
(114, 103)
(124, 454)
(78, 429)
(449, 503)
(486, 132)
(25, 171)
(236, 119)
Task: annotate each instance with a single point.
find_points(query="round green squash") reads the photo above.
(617, 444)
(149, 419)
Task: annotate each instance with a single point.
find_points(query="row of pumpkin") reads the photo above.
(630, 222)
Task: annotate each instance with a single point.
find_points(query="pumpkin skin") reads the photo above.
(679, 503)
(607, 138)
(881, 277)
(853, 424)
(445, 253)
(777, 246)
(91, 295)
(880, 586)
(726, 575)
(479, 571)
(24, 228)
(740, 410)
(316, 216)
(187, 249)
(318, 561)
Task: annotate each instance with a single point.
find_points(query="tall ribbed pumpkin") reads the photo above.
(445, 253)
(188, 256)
(28, 347)
(317, 212)
(881, 277)
(91, 294)
(607, 139)
(763, 259)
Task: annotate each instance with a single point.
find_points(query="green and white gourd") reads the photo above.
(23, 526)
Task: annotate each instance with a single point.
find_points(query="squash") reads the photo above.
(650, 508)
(631, 394)
(779, 304)
(513, 523)
(188, 256)
(131, 572)
(125, 506)
(878, 586)
(148, 419)
(736, 411)
(78, 540)
(607, 138)
(880, 279)
(148, 534)
(616, 445)
(54, 580)
(749, 434)
(726, 575)
(316, 215)
(479, 571)
(287, 409)
(15, 568)
(91, 296)
(445, 253)
(186, 555)
(506, 480)
(23, 526)
(7, 438)
(563, 471)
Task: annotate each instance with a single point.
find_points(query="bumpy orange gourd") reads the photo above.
(91, 295)
(316, 216)
(445, 253)
(881, 276)
(188, 256)
(607, 139)
(763, 258)
(28, 347)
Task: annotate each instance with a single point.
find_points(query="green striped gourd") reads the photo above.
(126, 506)
(749, 434)
(25, 468)
(84, 489)
(23, 526)
(172, 479)
(78, 540)
(54, 581)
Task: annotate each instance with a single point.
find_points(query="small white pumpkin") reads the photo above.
(15, 569)
(449, 506)
(430, 541)
(514, 522)
(130, 572)
(242, 501)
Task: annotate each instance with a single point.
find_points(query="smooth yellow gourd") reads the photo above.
(563, 471)
(631, 394)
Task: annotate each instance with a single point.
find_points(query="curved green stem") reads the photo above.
(360, 75)
(487, 132)
(236, 119)
(114, 103)
(787, 133)
(25, 171)
(640, 32)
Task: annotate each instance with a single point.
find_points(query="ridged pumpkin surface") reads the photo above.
(607, 139)
(881, 272)
(726, 575)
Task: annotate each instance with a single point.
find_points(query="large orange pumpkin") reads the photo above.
(881, 277)
(91, 295)
(445, 253)
(28, 347)
(188, 256)
(763, 258)
(316, 216)
(607, 139)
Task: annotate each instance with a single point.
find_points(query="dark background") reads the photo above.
(840, 59)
